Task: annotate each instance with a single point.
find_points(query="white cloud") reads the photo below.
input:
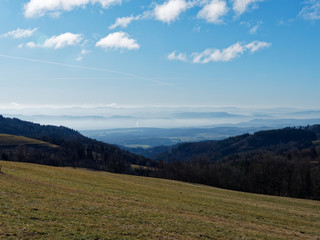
(38, 8)
(56, 42)
(20, 33)
(118, 40)
(217, 55)
(311, 10)
(240, 6)
(62, 40)
(28, 45)
(255, 28)
(257, 45)
(124, 21)
(214, 11)
(252, 28)
(31, 45)
(82, 53)
(181, 56)
(170, 10)
(224, 55)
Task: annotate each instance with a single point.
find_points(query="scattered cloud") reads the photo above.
(257, 45)
(170, 10)
(20, 33)
(286, 22)
(118, 40)
(214, 11)
(124, 21)
(228, 54)
(62, 40)
(254, 29)
(180, 57)
(82, 53)
(311, 10)
(224, 55)
(216, 55)
(28, 45)
(31, 45)
(38, 8)
(56, 42)
(241, 6)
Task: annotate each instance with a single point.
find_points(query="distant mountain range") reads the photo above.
(118, 117)
(208, 115)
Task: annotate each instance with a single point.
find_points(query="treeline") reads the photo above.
(76, 154)
(295, 173)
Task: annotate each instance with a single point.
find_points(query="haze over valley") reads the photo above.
(154, 126)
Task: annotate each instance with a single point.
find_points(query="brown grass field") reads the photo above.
(42, 202)
(9, 140)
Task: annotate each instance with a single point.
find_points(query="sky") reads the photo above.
(223, 53)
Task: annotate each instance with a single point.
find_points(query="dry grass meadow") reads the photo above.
(42, 202)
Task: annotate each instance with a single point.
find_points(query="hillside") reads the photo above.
(244, 139)
(271, 140)
(42, 202)
(73, 149)
(48, 133)
(283, 162)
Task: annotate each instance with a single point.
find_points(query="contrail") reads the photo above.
(88, 68)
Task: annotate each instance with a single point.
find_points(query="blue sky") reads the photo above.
(239, 53)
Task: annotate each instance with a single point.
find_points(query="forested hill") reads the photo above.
(284, 162)
(74, 148)
(53, 134)
(272, 140)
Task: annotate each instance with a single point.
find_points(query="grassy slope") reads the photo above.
(41, 202)
(8, 140)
